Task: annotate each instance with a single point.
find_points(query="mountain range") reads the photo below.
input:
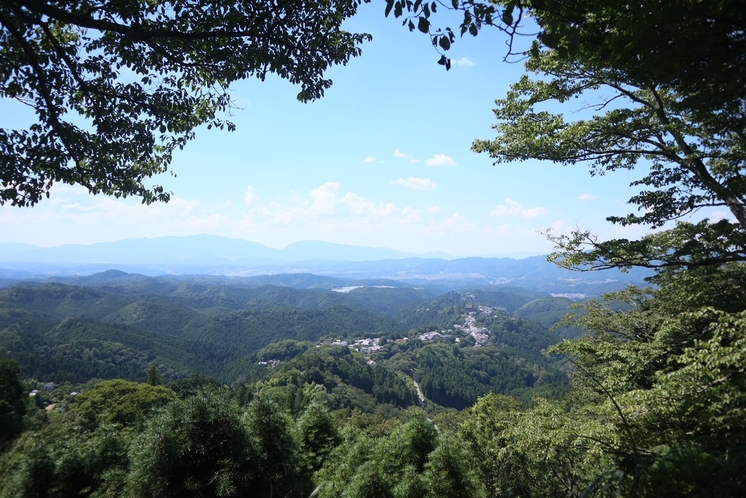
(200, 249)
(213, 255)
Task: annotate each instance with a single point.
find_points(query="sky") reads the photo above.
(382, 160)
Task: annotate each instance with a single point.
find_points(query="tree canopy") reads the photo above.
(117, 87)
(695, 48)
(12, 406)
(658, 388)
(664, 87)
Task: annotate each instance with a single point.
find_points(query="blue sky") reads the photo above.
(382, 160)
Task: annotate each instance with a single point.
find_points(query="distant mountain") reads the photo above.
(220, 256)
(317, 250)
(194, 250)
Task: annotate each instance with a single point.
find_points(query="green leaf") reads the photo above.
(508, 17)
(122, 147)
(551, 40)
(423, 25)
(444, 43)
(389, 6)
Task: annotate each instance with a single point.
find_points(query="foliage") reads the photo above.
(176, 457)
(692, 48)
(121, 402)
(669, 374)
(317, 435)
(12, 401)
(457, 377)
(693, 146)
(318, 386)
(658, 387)
(688, 47)
(277, 464)
(663, 85)
(545, 451)
(78, 333)
(410, 461)
(64, 459)
(204, 445)
(65, 333)
(346, 378)
(691, 165)
(118, 87)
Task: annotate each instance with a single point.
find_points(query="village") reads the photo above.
(369, 346)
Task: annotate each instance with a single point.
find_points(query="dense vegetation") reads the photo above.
(69, 333)
(75, 333)
(295, 402)
(657, 399)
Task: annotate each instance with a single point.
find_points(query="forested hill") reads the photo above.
(116, 325)
(274, 377)
(55, 328)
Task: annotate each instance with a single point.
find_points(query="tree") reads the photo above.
(154, 377)
(693, 48)
(117, 87)
(195, 447)
(12, 401)
(121, 402)
(411, 460)
(317, 435)
(665, 82)
(667, 376)
(692, 163)
(549, 450)
(668, 81)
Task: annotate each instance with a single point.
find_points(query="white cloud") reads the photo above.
(441, 160)
(360, 206)
(324, 198)
(721, 215)
(326, 210)
(465, 61)
(73, 216)
(453, 225)
(250, 196)
(587, 197)
(559, 227)
(369, 159)
(398, 153)
(412, 215)
(414, 161)
(513, 208)
(228, 203)
(416, 183)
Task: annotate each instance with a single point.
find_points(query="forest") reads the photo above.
(152, 387)
(178, 392)
(290, 377)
